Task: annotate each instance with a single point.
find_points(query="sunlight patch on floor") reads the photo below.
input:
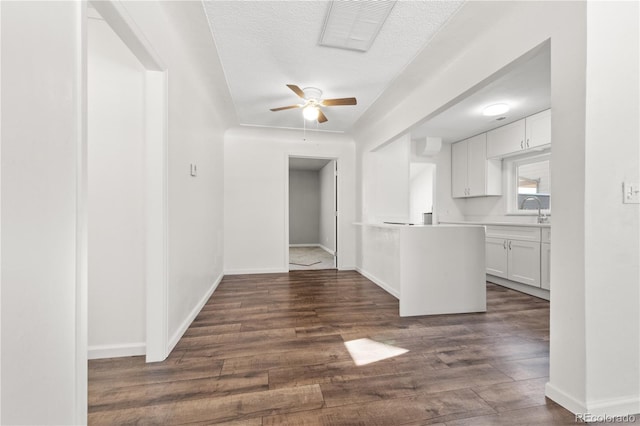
(367, 351)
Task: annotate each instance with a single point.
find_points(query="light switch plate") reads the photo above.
(630, 193)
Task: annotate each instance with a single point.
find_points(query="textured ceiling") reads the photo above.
(264, 45)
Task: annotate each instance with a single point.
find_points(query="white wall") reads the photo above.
(421, 188)
(612, 237)
(43, 211)
(386, 182)
(255, 203)
(200, 110)
(116, 195)
(328, 207)
(462, 55)
(304, 207)
(41, 148)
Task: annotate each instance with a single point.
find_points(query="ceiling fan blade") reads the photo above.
(286, 107)
(298, 91)
(339, 101)
(321, 117)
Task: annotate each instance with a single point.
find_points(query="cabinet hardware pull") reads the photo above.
(527, 143)
(504, 244)
(521, 144)
(509, 245)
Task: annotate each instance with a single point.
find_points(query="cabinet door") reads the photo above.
(506, 139)
(545, 272)
(459, 169)
(477, 165)
(524, 262)
(538, 129)
(496, 256)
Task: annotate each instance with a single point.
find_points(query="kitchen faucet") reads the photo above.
(541, 218)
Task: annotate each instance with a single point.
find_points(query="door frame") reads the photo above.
(156, 187)
(286, 204)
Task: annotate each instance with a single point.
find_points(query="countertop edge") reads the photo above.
(531, 225)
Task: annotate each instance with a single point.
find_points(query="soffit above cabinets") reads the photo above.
(525, 85)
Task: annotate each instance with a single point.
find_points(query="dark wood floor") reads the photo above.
(269, 349)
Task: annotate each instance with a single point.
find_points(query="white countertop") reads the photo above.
(417, 225)
(534, 225)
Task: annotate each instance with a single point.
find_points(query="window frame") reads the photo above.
(511, 166)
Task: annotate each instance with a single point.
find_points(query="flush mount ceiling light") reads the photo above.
(495, 109)
(311, 112)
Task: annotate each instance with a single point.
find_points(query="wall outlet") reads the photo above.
(630, 193)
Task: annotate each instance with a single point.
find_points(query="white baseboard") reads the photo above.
(564, 399)
(380, 283)
(328, 250)
(618, 407)
(116, 351)
(255, 271)
(192, 315)
(523, 288)
(625, 406)
(348, 268)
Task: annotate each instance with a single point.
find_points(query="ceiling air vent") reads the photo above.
(354, 25)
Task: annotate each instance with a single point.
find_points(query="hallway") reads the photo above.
(270, 349)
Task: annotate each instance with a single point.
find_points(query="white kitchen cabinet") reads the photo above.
(520, 136)
(524, 262)
(545, 259)
(506, 139)
(545, 271)
(538, 129)
(496, 257)
(513, 253)
(472, 175)
(459, 172)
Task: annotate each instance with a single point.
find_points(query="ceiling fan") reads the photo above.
(312, 102)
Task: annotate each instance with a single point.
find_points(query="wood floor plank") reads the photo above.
(433, 409)
(523, 369)
(548, 414)
(407, 383)
(246, 406)
(270, 349)
(513, 395)
(101, 398)
(345, 371)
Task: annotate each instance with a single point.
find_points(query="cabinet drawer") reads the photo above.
(519, 233)
(546, 235)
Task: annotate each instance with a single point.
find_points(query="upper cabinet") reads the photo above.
(472, 175)
(538, 129)
(520, 136)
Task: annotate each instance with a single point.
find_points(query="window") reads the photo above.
(531, 185)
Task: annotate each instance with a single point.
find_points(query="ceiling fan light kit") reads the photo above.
(311, 107)
(310, 112)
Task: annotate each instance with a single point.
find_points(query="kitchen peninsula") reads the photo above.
(431, 269)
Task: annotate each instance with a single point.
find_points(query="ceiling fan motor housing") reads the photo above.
(312, 93)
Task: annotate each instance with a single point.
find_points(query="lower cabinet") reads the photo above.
(517, 254)
(545, 260)
(514, 260)
(524, 262)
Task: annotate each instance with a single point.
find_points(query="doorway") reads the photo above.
(126, 183)
(313, 207)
